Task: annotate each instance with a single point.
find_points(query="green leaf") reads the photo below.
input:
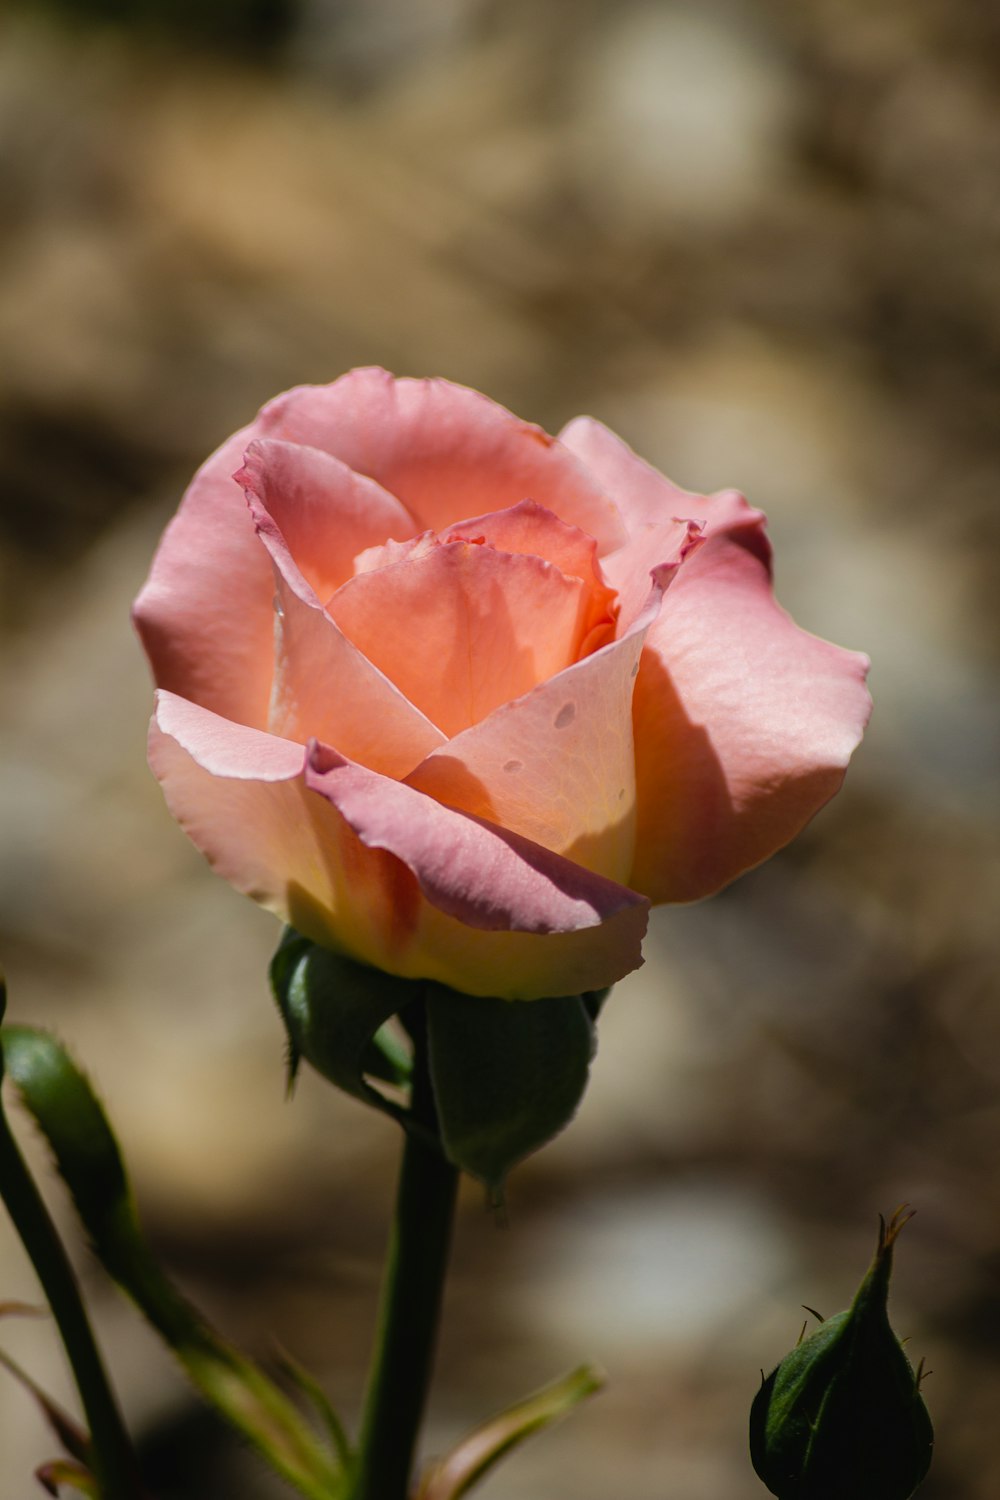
(508, 1075)
(66, 1109)
(68, 1112)
(451, 1477)
(109, 1447)
(336, 1013)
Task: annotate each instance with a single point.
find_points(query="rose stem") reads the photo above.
(112, 1458)
(412, 1288)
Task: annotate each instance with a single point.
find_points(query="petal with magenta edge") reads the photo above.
(385, 874)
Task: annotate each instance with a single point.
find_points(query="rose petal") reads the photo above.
(211, 583)
(323, 686)
(744, 725)
(557, 765)
(644, 497)
(530, 528)
(325, 512)
(376, 869)
(547, 927)
(462, 628)
(446, 451)
(667, 544)
(648, 501)
(392, 552)
(487, 877)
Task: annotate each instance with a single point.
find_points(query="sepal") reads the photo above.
(337, 1015)
(508, 1075)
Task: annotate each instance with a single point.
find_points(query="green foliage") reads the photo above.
(70, 1116)
(67, 1109)
(842, 1415)
(507, 1075)
(478, 1453)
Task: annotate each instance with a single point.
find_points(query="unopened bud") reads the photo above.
(842, 1418)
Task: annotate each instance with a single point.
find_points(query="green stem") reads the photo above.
(113, 1460)
(412, 1288)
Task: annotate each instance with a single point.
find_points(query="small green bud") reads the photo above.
(842, 1418)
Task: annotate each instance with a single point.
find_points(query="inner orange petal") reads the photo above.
(463, 628)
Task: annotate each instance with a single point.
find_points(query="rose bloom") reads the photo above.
(460, 700)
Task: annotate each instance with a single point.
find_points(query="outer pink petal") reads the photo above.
(744, 725)
(644, 497)
(205, 615)
(558, 765)
(385, 874)
(463, 627)
(446, 451)
(648, 501)
(325, 513)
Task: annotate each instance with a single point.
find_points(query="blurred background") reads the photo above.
(760, 239)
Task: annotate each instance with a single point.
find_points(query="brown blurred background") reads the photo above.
(761, 240)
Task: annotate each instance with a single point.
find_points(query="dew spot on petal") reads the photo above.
(566, 715)
(513, 765)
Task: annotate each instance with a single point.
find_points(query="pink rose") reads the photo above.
(460, 699)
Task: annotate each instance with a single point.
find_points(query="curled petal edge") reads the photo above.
(382, 872)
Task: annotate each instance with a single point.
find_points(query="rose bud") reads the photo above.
(842, 1418)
